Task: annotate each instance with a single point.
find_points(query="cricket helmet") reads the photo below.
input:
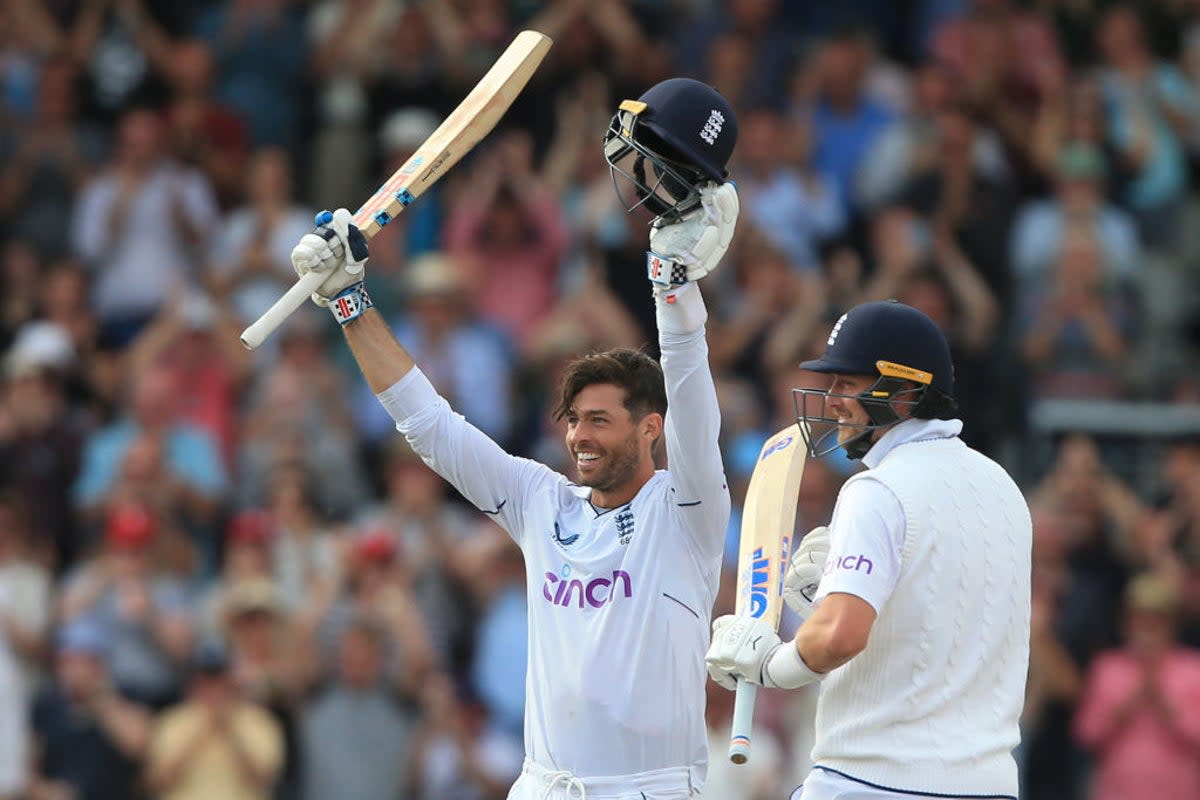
(899, 345)
(664, 146)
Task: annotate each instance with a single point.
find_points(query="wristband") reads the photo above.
(663, 271)
(785, 669)
(350, 303)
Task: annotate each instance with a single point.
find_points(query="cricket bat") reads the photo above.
(768, 523)
(475, 116)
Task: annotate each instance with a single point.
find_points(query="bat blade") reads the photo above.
(768, 522)
(473, 119)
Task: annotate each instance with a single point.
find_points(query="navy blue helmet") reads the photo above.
(669, 143)
(894, 342)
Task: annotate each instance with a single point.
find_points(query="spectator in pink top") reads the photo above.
(510, 236)
(1140, 711)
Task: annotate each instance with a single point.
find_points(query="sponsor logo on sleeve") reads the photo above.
(852, 563)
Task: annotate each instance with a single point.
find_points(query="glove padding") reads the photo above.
(699, 240)
(336, 247)
(803, 577)
(740, 648)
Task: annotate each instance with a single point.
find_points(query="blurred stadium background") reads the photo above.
(221, 575)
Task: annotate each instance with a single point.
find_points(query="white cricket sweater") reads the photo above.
(932, 704)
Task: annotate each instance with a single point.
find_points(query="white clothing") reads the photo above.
(539, 783)
(138, 267)
(824, 785)
(14, 705)
(619, 599)
(937, 538)
(242, 229)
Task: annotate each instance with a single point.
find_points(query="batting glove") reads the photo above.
(692, 247)
(740, 647)
(337, 247)
(750, 649)
(804, 572)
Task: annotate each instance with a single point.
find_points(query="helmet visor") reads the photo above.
(824, 431)
(821, 428)
(643, 172)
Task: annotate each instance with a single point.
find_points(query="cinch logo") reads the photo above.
(853, 563)
(837, 328)
(560, 591)
(712, 128)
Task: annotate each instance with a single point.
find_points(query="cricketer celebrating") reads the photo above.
(623, 566)
(916, 598)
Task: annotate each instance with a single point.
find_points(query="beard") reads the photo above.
(621, 467)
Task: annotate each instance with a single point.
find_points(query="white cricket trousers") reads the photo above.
(539, 783)
(823, 785)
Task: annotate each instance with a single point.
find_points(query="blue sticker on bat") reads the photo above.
(405, 197)
(383, 218)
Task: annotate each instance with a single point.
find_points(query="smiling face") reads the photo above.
(850, 414)
(611, 450)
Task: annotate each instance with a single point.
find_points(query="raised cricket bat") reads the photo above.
(768, 523)
(475, 116)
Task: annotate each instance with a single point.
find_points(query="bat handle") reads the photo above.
(743, 721)
(275, 316)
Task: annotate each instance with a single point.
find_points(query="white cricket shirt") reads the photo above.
(619, 599)
(937, 538)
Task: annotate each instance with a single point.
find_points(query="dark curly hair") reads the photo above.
(632, 370)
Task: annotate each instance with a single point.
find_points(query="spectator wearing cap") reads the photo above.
(215, 743)
(246, 557)
(356, 733)
(266, 664)
(1139, 714)
(89, 739)
(41, 421)
(1078, 201)
(467, 359)
(143, 612)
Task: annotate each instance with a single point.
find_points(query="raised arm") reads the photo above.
(680, 254)
(479, 468)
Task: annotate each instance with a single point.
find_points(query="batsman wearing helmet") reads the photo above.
(916, 598)
(623, 560)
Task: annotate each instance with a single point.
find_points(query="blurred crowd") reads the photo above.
(222, 573)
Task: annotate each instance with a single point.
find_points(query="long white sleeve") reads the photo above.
(693, 422)
(496, 482)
